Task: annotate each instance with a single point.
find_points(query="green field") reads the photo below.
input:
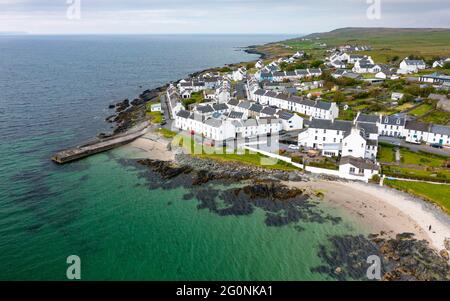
(386, 153)
(387, 44)
(421, 110)
(437, 117)
(439, 194)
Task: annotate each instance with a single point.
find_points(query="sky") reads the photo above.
(216, 16)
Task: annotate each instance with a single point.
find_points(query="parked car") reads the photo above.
(437, 146)
(294, 147)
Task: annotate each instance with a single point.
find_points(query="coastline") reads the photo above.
(385, 209)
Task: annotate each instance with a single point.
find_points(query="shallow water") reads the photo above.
(53, 94)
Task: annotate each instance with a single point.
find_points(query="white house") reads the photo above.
(223, 92)
(354, 144)
(416, 132)
(365, 66)
(156, 107)
(173, 101)
(336, 137)
(439, 134)
(239, 74)
(397, 96)
(440, 63)
(259, 64)
(338, 64)
(352, 166)
(411, 66)
(315, 108)
(289, 121)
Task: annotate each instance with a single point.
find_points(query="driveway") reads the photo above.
(415, 147)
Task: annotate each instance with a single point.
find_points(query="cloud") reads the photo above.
(215, 16)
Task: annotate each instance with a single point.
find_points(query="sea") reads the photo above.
(54, 93)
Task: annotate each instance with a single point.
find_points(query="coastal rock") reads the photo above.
(124, 104)
(137, 102)
(447, 244)
(402, 258)
(444, 254)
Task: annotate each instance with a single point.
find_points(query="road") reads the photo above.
(415, 147)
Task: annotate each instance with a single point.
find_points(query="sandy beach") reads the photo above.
(153, 146)
(385, 209)
(380, 208)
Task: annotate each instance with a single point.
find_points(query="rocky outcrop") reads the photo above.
(402, 258)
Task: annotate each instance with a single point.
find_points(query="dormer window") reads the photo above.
(386, 120)
(398, 121)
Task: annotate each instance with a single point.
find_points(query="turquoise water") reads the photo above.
(102, 209)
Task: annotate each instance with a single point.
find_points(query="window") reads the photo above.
(352, 169)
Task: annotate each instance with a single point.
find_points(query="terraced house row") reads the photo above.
(314, 108)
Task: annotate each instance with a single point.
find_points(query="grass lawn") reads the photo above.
(167, 133)
(421, 159)
(439, 194)
(155, 117)
(347, 115)
(437, 117)
(421, 110)
(247, 158)
(416, 173)
(250, 159)
(386, 153)
(405, 106)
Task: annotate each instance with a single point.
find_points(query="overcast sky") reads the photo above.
(214, 16)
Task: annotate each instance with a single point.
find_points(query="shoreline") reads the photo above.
(385, 209)
(382, 209)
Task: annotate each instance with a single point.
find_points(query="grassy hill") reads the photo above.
(387, 43)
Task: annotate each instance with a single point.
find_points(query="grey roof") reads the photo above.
(315, 71)
(245, 104)
(417, 126)
(338, 125)
(279, 73)
(250, 122)
(184, 114)
(358, 162)
(260, 92)
(414, 62)
(323, 105)
(269, 111)
(368, 118)
(352, 75)
(271, 94)
(368, 128)
(440, 129)
(235, 115)
(213, 122)
(220, 107)
(372, 142)
(256, 107)
(393, 120)
(301, 72)
(285, 115)
(233, 102)
(205, 109)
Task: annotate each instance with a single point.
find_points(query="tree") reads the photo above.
(447, 66)
(316, 64)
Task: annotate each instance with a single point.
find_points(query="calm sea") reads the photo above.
(54, 91)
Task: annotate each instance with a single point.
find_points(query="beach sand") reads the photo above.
(385, 209)
(152, 146)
